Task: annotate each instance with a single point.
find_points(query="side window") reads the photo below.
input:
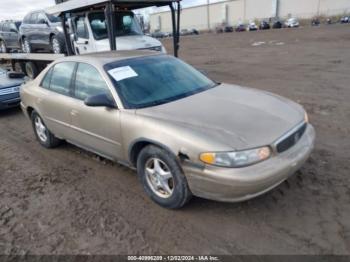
(34, 18)
(41, 18)
(13, 27)
(88, 82)
(26, 20)
(6, 27)
(61, 77)
(82, 31)
(47, 79)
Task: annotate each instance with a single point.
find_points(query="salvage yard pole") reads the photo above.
(176, 27)
(67, 41)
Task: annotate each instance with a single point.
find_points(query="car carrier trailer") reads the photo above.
(33, 63)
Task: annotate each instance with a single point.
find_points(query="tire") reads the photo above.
(26, 47)
(31, 70)
(3, 48)
(19, 67)
(45, 137)
(147, 171)
(56, 45)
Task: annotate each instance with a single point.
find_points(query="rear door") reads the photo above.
(55, 101)
(32, 31)
(94, 128)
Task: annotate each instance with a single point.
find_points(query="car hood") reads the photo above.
(129, 43)
(6, 82)
(234, 116)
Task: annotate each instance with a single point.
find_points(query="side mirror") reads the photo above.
(101, 100)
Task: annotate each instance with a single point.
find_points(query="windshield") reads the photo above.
(53, 19)
(154, 80)
(126, 24)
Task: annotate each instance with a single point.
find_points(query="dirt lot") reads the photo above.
(68, 201)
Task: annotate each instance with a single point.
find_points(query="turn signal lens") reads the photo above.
(208, 158)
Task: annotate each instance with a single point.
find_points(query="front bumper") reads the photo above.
(240, 184)
(9, 101)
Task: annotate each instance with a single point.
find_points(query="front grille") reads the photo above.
(291, 140)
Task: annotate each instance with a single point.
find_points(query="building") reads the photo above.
(204, 17)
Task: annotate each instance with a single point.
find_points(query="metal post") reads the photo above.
(178, 28)
(109, 23)
(208, 14)
(175, 35)
(67, 41)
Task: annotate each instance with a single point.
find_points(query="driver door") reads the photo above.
(82, 43)
(97, 129)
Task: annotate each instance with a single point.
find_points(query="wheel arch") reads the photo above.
(137, 145)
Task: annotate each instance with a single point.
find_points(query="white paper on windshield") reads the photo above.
(121, 73)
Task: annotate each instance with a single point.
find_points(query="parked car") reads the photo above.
(42, 32)
(90, 33)
(345, 20)
(241, 28)
(184, 133)
(158, 34)
(10, 83)
(252, 27)
(264, 25)
(224, 29)
(315, 22)
(277, 24)
(185, 32)
(292, 23)
(194, 31)
(9, 39)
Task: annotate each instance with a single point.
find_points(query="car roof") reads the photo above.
(102, 58)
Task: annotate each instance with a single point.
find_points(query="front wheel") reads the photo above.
(162, 178)
(43, 135)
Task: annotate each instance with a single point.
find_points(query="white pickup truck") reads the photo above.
(89, 33)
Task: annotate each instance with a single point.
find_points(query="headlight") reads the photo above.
(59, 29)
(238, 158)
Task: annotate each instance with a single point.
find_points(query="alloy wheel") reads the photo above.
(56, 47)
(40, 129)
(159, 178)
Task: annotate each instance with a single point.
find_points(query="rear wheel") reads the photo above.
(26, 47)
(31, 69)
(43, 135)
(162, 178)
(56, 45)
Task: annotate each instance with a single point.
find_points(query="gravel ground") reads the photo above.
(68, 201)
